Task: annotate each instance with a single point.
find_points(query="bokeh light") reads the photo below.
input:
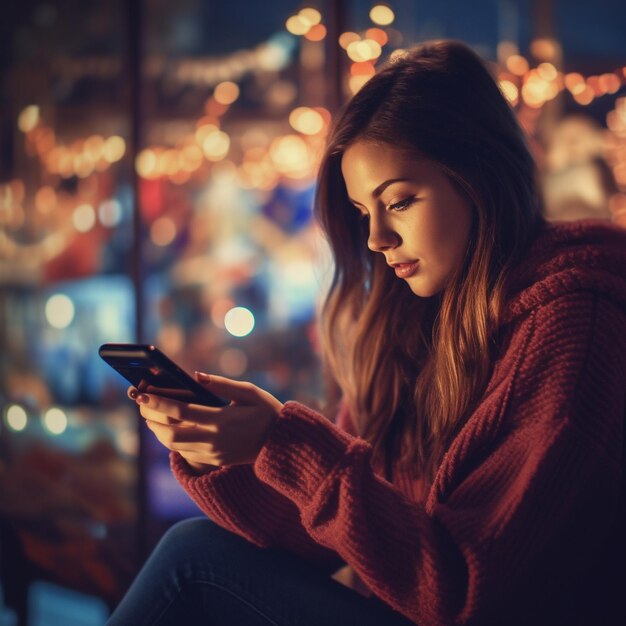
(28, 118)
(382, 14)
(239, 321)
(517, 64)
(84, 218)
(345, 39)
(59, 311)
(297, 25)
(306, 120)
(55, 421)
(316, 33)
(16, 417)
(163, 231)
(216, 145)
(226, 92)
(114, 149)
(310, 15)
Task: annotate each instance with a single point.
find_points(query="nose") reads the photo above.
(381, 236)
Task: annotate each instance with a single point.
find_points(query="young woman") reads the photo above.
(474, 474)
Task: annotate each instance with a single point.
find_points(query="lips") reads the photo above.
(404, 270)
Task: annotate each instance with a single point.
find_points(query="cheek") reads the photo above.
(444, 233)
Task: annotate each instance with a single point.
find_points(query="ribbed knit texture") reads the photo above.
(522, 522)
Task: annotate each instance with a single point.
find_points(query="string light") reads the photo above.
(382, 14)
(292, 156)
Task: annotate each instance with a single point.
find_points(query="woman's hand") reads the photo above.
(212, 436)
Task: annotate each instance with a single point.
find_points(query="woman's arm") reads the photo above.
(233, 497)
(525, 496)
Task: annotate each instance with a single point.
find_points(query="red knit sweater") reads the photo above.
(523, 523)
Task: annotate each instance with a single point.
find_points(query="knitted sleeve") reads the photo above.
(234, 498)
(522, 499)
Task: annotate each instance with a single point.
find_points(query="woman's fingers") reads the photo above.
(156, 416)
(178, 411)
(174, 435)
(235, 390)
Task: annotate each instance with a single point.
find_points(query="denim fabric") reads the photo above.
(201, 574)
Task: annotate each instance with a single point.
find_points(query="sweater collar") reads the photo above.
(567, 257)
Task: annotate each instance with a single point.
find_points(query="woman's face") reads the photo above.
(417, 218)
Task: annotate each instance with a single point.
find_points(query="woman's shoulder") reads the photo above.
(568, 258)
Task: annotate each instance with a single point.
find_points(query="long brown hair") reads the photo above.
(411, 368)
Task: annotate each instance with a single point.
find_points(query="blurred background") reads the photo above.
(157, 171)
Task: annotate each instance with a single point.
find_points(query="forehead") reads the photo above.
(368, 164)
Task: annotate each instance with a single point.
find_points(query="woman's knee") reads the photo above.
(197, 537)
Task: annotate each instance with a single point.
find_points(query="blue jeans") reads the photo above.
(201, 574)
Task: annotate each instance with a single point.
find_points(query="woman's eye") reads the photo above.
(402, 205)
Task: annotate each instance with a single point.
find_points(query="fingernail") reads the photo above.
(142, 398)
(133, 394)
(203, 376)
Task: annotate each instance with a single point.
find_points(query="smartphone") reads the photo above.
(148, 369)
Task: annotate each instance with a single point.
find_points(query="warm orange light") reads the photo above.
(365, 68)
(213, 108)
(547, 71)
(94, 146)
(506, 49)
(83, 165)
(382, 14)
(216, 146)
(28, 118)
(616, 123)
(356, 82)
(17, 189)
(162, 231)
(310, 16)
(375, 48)
(316, 33)
(544, 49)
(619, 171)
(345, 39)
(114, 149)
(517, 64)
(168, 162)
(306, 120)
(585, 96)
(365, 50)
(45, 199)
(44, 139)
(191, 158)
(594, 83)
(378, 35)
(226, 92)
(291, 156)
(574, 80)
(146, 164)
(204, 131)
(535, 93)
(610, 83)
(180, 177)
(325, 113)
(297, 25)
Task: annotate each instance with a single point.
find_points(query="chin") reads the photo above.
(425, 291)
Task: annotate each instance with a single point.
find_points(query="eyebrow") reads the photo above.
(376, 193)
